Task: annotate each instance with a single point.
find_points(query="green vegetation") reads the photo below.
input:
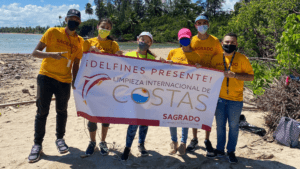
(265, 28)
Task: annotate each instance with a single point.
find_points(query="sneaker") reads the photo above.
(103, 148)
(219, 153)
(209, 149)
(91, 148)
(35, 153)
(125, 154)
(61, 146)
(181, 149)
(143, 150)
(193, 144)
(232, 158)
(174, 148)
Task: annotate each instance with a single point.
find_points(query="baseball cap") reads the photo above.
(201, 17)
(74, 12)
(147, 34)
(184, 33)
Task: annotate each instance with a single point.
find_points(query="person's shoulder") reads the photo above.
(195, 37)
(241, 56)
(91, 39)
(176, 50)
(80, 39)
(114, 42)
(132, 53)
(214, 38)
(54, 29)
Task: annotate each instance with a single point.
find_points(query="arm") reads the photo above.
(239, 76)
(38, 52)
(75, 71)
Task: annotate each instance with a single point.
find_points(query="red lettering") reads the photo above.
(175, 74)
(190, 118)
(93, 62)
(107, 66)
(168, 73)
(197, 119)
(101, 65)
(204, 78)
(153, 71)
(185, 117)
(198, 76)
(115, 65)
(161, 72)
(188, 75)
(142, 70)
(175, 117)
(135, 69)
(128, 68)
(165, 116)
(180, 117)
(181, 74)
(170, 117)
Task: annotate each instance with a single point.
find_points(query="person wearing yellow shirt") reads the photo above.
(103, 43)
(183, 55)
(144, 40)
(207, 46)
(237, 69)
(63, 53)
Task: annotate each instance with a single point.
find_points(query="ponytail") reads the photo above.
(151, 53)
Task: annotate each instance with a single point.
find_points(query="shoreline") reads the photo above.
(22, 33)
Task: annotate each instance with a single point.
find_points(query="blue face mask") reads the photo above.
(202, 29)
(185, 41)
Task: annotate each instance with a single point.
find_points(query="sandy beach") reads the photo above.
(17, 129)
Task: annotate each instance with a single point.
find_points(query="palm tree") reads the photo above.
(59, 17)
(88, 9)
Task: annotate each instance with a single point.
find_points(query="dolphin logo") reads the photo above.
(90, 82)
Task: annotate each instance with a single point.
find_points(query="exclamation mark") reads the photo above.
(210, 79)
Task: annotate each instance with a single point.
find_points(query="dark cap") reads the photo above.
(74, 12)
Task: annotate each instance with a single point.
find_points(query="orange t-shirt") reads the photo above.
(240, 64)
(107, 46)
(178, 56)
(206, 48)
(57, 40)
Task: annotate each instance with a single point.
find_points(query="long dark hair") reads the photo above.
(111, 24)
(151, 53)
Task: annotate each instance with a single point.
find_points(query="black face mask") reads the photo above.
(229, 48)
(73, 25)
(143, 46)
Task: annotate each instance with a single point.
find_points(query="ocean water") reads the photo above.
(24, 43)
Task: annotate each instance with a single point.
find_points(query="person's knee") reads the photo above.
(105, 124)
(92, 126)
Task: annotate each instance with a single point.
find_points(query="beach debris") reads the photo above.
(12, 109)
(32, 86)
(265, 156)
(280, 101)
(17, 77)
(25, 91)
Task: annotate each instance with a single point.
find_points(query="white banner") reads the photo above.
(126, 90)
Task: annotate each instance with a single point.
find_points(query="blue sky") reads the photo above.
(45, 12)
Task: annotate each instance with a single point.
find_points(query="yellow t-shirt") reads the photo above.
(178, 56)
(206, 48)
(133, 54)
(240, 64)
(57, 40)
(107, 46)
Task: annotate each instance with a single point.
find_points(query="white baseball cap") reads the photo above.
(147, 34)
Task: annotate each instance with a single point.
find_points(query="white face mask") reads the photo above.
(202, 29)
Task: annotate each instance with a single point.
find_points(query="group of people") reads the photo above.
(64, 49)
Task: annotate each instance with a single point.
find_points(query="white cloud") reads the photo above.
(42, 1)
(32, 15)
(229, 4)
